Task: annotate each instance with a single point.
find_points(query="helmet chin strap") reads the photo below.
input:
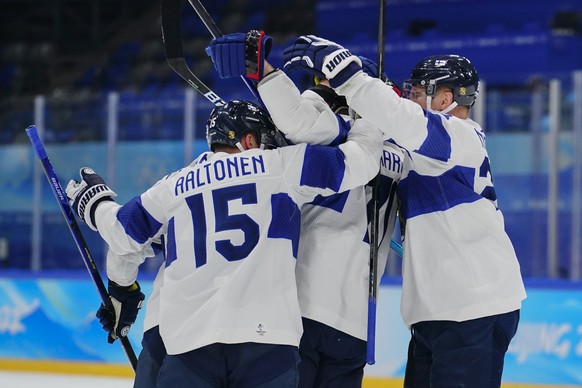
(446, 110)
(240, 146)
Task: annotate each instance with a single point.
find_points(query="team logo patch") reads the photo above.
(463, 91)
(231, 135)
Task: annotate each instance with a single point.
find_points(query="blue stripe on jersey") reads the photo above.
(334, 202)
(171, 245)
(420, 194)
(437, 144)
(159, 248)
(323, 167)
(286, 221)
(137, 222)
(344, 128)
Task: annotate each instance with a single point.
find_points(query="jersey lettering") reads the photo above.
(391, 161)
(485, 172)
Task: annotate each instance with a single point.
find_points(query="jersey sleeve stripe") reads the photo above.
(137, 222)
(343, 129)
(323, 167)
(421, 194)
(286, 221)
(437, 144)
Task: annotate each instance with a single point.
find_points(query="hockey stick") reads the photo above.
(373, 281)
(215, 32)
(172, 38)
(76, 232)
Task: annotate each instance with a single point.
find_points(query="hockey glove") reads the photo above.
(240, 54)
(322, 58)
(126, 301)
(84, 196)
(369, 67)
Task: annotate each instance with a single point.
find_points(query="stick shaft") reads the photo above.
(76, 232)
(373, 281)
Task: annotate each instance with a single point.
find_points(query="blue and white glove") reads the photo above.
(240, 54)
(86, 195)
(126, 302)
(371, 68)
(322, 58)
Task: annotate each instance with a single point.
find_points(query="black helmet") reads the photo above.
(228, 124)
(338, 104)
(455, 71)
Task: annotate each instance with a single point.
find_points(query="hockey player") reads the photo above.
(332, 267)
(230, 222)
(462, 288)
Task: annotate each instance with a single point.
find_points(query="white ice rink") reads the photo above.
(45, 380)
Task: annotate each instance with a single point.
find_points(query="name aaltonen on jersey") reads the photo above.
(219, 170)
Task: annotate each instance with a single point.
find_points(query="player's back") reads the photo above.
(232, 240)
(447, 194)
(333, 270)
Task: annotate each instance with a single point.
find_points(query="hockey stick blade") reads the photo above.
(172, 39)
(61, 198)
(181, 68)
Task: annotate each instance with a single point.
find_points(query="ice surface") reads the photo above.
(46, 380)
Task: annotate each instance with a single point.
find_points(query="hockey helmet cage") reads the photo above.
(229, 123)
(454, 71)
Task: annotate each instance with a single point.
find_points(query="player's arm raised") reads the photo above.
(369, 96)
(325, 170)
(303, 118)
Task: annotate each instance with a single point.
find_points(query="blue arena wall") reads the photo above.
(522, 196)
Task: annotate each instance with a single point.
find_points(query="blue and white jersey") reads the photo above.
(334, 251)
(459, 262)
(231, 225)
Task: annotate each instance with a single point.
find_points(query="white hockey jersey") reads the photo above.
(459, 263)
(334, 251)
(231, 228)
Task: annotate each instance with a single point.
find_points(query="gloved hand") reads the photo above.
(240, 54)
(371, 68)
(84, 196)
(126, 301)
(322, 58)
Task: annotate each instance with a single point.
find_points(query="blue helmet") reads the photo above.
(454, 71)
(228, 124)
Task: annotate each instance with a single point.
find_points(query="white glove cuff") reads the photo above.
(335, 62)
(91, 198)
